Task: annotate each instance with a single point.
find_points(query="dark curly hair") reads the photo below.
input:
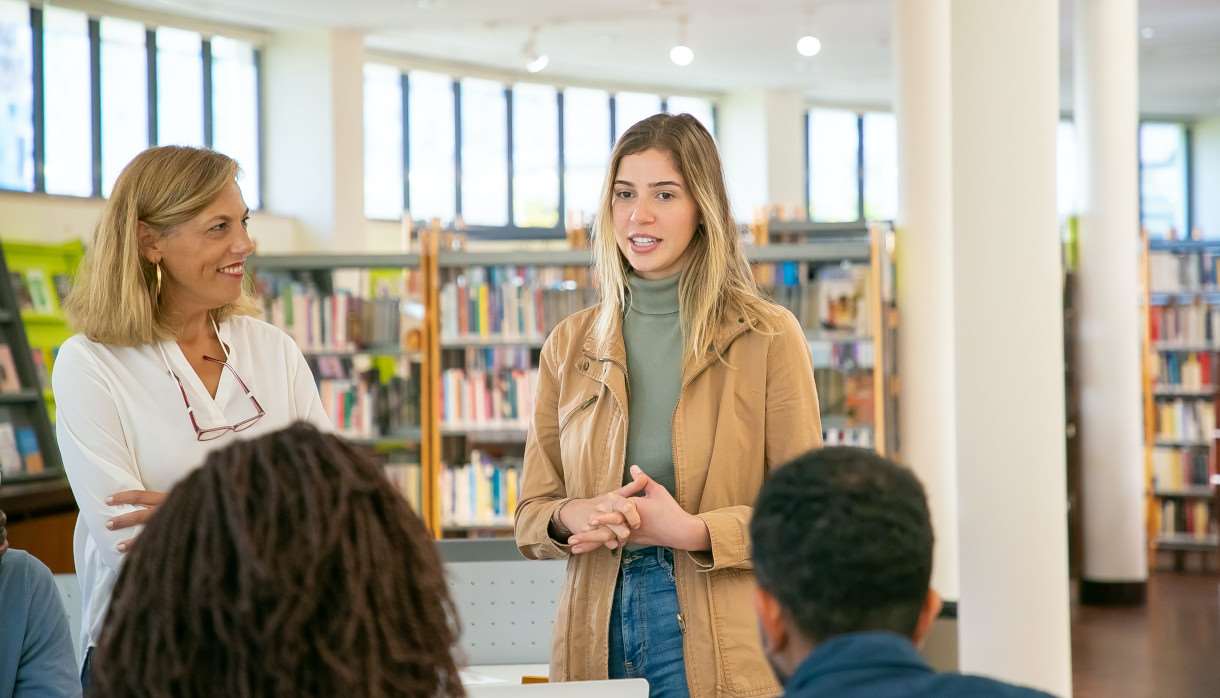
(843, 540)
(286, 565)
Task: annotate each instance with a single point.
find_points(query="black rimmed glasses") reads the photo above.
(212, 433)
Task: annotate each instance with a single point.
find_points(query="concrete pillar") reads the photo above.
(762, 147)
(1107, 333)
(313, 99)
(1008, 315)
(924, 231)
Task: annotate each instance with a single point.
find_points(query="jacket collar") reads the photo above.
(612, 348)
(865, 651)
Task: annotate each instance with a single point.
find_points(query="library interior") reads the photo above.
(478, 247)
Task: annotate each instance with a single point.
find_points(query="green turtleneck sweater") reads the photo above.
(652, 333)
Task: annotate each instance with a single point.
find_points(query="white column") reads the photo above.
(313, 100)
(1014, 615)
(1107, 334)
(924, 256)
(762, 144)
(1205, 162)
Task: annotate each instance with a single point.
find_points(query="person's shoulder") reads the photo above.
(27, 570)
(571, 331)
(78, 356)
(971, 686)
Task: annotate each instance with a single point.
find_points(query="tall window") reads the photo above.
(1163, 178)
(1067, 170)
(179, 87)
(382, 141)
(432, 147)
(535, 156)
(701, 109)
(16, 97)
(880, 166)
(68, 90)
(586, 150)
(484, 153)
(630, 107)
(834, 142)
(124, 65)
(235, 111)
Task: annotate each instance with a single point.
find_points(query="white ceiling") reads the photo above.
(738, 44)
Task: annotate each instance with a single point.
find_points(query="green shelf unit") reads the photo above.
(45, 331)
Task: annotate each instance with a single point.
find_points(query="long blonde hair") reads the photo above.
(717, 284)
(114, 299)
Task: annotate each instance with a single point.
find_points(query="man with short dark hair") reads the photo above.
(842, 545)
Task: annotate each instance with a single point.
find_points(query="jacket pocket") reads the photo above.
(745, 672)
(580, 406)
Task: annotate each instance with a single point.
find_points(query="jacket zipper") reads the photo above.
(570, 415)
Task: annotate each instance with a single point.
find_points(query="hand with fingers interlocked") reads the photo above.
(641, 512)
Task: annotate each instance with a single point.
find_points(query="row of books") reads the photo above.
(1179, 469)
(1186, 371)
(1185, 420)
(850, 436)
(342, 319)
(492, 400)
(846, 395)
(1188, 323)
(482, 492)
(35, 294)
(836, 302)
(1192, 518)
(20, 453)
(1178, 272)
(841, 355)
(369, 397)
(509, 302)
(406, 476)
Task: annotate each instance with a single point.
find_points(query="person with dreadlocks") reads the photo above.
(169, 362)
(286, 565)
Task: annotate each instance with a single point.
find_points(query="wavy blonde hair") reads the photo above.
(717, 284)
(114, 299)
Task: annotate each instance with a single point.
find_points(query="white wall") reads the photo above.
(762, 145)
(55, 219)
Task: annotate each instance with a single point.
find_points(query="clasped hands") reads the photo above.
(641, 512)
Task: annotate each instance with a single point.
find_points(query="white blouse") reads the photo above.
(122, 425)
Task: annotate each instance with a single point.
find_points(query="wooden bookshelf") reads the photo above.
(499, 444)
(1181, 350)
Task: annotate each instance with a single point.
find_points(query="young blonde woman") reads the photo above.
(168, 364)
(659, 413)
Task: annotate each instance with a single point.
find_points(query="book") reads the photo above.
(63, 285)
(27, 447)
(20, 291)
(11, 463)
(522, 303)
(10, 382)
(40, 291)
(483, 492)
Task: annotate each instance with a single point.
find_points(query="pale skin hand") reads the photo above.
(141, 498)
(653, 517)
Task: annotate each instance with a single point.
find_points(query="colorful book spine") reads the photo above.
(482, 492)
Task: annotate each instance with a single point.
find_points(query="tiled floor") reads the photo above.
(1168, 649)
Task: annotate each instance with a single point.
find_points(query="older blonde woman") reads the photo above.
(168, 363)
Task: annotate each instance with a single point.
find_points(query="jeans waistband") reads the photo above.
(639, 556)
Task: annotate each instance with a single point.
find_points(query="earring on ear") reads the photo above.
(157, 291)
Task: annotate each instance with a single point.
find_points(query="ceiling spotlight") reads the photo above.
(535, 62)
(1148, 32)
(809, 46)
(681, 54)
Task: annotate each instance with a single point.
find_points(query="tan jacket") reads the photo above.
(730, 427)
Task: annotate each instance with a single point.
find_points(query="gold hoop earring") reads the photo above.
(157, 291)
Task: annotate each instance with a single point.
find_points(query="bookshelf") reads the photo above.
(32, 480)
(1181, 354)
(359, 321)
(482, 319)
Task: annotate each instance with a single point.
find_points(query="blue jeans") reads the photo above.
(645, 630)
